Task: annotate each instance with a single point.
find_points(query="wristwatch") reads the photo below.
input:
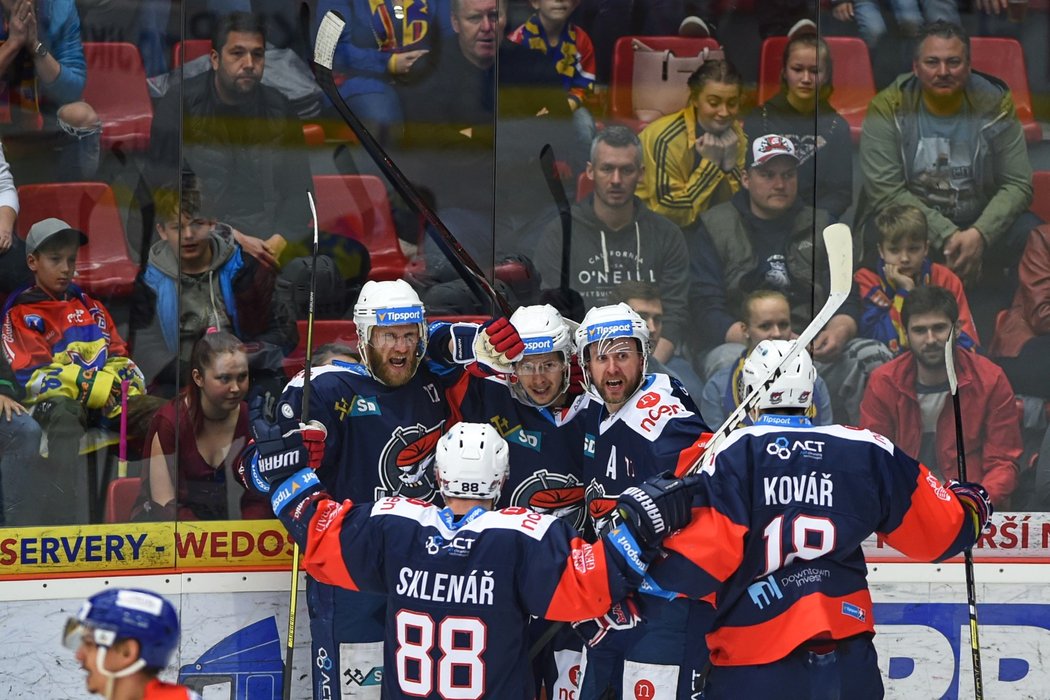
(40, 50)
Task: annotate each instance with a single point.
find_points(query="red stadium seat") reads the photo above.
(1004, 58)
(192, 48)
(121, 495)
(621, 106)
(356, 206)
(853, 79)
(1041, 194)
(116, 88)
(325, 331)
(104, 265)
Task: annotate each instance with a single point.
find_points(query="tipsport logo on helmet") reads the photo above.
(609, 329)
(534, 346)
(396, 317)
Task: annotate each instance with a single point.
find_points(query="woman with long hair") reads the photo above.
(195, 440)
(801, 112)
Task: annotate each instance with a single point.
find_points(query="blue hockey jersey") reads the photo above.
(646, 436)
(546, 446)
(460, 593)
(776, 534)
(380, 439)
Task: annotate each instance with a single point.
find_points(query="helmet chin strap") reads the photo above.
(112, 676)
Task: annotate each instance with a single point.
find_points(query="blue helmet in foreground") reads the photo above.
(127, 613)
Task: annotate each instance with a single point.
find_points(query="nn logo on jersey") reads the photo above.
(535, 346)
(609, 329)
(405, 314)
(764, 592)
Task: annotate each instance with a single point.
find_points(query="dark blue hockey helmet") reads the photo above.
(127, 613)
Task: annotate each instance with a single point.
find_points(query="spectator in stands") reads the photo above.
(19, 449)
(693, 158)
(13, 271)
(333, 352)
(382, 43)
(908, 15)
(644, 298)
(763, 238)
(765, 315)
(65, 349)
(616, 238)
(949, 142)
(568, 49)
(42, 63)
(453, 119)
(801, 112)
(907, 400)
(903, 265)
(1021, 344)
(197, 277)
(195, 439)
(241, 138)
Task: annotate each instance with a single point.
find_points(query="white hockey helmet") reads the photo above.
(388, 303)
(606, 323)
(543, 330)
(793, 388)
(471, 461)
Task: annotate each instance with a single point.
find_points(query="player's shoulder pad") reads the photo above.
(516, 519)
(329, 372)
(411, 508)
(653, 406)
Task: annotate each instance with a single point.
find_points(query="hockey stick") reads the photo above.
(122, 449)
(838, 241)
(554, 184)
(971, 588)
(328, 33)
(293, 598)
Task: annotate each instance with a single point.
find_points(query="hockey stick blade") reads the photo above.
(328, 32)
(554, 184)
(838, 241)
(949, 366)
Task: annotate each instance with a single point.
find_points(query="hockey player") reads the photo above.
(637, 425)
(124, 637)
(462, 581)
(383, 419)
(536, 408)
(776, 537)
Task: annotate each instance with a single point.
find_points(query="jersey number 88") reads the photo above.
(460, 670)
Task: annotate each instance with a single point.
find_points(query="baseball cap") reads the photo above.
(766, 148)
(45, 229)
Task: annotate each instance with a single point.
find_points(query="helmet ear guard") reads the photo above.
(471, 461)
(793, 388)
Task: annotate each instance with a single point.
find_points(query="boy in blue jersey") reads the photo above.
(462, 581)
(776, 538)
(637, 425)
(383, 417)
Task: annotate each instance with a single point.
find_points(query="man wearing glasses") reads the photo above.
(637, 425)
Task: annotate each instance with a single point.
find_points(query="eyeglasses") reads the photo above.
(527, 369)
(385, 340)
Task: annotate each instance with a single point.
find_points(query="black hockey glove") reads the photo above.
(280, 449)
(657, 507)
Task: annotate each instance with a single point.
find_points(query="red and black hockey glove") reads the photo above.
(498, 345)
(621, 616)
(975, 501)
